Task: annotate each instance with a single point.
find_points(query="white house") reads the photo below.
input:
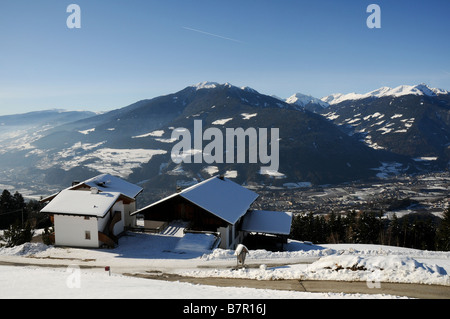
(94, 212)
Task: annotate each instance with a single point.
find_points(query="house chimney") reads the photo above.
(75, 183)
(94, 190)
(222, 177)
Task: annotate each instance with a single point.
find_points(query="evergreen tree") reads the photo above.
(394, 231)
(368, 228)
(404, 232)
(297, 227)
(350, 227)
(17, 201)
(443, 233)
(336, 229)
(6, 201)
(14, 208)
(320, 234)
(413, 230)
(8, 213)
(48, 236)
(33, 214)
(15, 235)
(309, 231)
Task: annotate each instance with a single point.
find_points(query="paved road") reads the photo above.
(398, 289)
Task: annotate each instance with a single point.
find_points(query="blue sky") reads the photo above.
(126, 51)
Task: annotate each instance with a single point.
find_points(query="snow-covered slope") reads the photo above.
(421, 89)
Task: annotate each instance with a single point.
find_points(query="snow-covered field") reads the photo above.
(80, 273)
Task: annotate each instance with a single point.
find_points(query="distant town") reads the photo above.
(401, 195)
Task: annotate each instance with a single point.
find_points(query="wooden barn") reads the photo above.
(215, 205)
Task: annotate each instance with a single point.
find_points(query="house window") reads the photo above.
(86, 217)
(87, 235)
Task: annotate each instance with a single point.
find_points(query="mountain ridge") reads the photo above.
(402, 90)
(413, 125)
(135, 141)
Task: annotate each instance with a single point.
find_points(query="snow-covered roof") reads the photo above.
(82, 203)
(219, 196)
(105, 183)
(269, 222)
(110, 183)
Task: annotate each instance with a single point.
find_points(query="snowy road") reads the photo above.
(317, 286)
(143, 254)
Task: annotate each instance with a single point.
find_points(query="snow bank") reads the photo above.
(342, 268)
(261, 254)
(344, 263)
(394, 268)
(26, 249)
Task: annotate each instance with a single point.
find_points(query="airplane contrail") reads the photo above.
(212, 34)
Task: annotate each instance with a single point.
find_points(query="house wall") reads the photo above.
(224, 237)
(129, 221)
(119, 226)
(178, 208)
(71, 231)
(102, 222)
(230, 237)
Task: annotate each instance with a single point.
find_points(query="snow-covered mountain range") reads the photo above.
(303, 100)
(319, 142)
(407, 120)
(402, 90)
